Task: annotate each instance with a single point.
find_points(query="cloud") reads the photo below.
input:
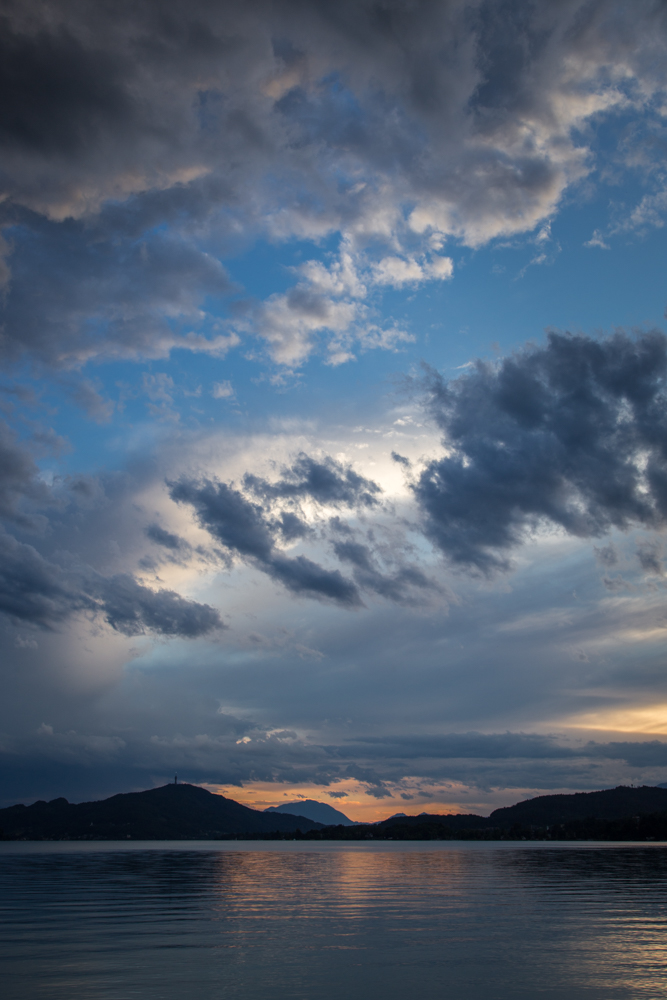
(107, 107)
(289, 322)
(397, 271)
(104, 297)
(133, 609)
(85, 394)
(648, 553)
(141, 144)
(291, 526)
(34, 590)
(19, 480)
(394, 586)
(222, 390)
(571, 435)
(329, 300)
(243, 529)
(326, 481)
(607, 555)
(648, 214)
(39, 592)
(165, 538)
(252, 530)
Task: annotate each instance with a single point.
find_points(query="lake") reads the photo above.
(293, 921)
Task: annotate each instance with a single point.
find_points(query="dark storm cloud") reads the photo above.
(225, 512)
(251, 529)
(573, 434)
(393, 586)
(133, 609)
(18, 478)
(327, 482)
(34, 590)
(165, 538)
(38, 592)
(242, 528)
(58, 93)
(135, 117)
(291, 526)
(303, 576)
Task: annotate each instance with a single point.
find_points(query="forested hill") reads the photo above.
(172, 812)
(610, 804)
(550, 810)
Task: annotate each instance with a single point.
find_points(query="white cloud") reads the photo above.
(328, 300)
(399, 271)
(222, 390)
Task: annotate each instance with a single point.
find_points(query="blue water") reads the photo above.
(244, 921)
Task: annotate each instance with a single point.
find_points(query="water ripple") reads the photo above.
(480, 923)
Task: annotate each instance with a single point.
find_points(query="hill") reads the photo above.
(610, 804)
(456, 821)
(545, 811)
(172, 812)
(320, 812)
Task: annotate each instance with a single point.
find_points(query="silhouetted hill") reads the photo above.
(320, 812)
(456, 821)
(610, 804)
(172, 812)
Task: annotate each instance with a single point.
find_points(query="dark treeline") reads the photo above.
(651, 827)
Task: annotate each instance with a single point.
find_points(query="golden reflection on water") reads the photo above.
(349, 882)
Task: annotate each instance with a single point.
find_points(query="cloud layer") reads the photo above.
(144, 143)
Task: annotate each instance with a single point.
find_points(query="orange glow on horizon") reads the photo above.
(350, 798)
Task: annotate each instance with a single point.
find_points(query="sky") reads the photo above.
(333, 406)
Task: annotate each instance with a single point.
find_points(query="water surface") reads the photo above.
(288, 921)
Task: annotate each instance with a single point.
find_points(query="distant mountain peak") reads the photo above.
(318, 812)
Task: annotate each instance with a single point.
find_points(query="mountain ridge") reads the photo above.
(320, 812)
(169, 812)
(188, 812)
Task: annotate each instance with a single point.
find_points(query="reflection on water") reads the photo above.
(455, 921)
